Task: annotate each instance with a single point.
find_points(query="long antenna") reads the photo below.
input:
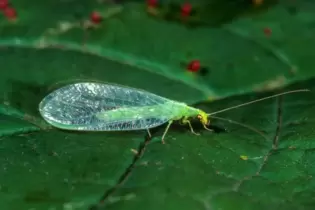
(261, 99)
(243, 125)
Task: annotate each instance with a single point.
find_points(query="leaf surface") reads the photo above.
(254, 61)
(236, 169)
(233, 168)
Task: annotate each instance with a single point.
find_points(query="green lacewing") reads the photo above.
(92, 106)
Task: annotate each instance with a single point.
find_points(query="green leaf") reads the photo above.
(236, 169)
(253, 62)
(43, 169)
(232, 168)
(46, 69)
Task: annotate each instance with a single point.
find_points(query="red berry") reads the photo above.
(3, 4)
(267, 31)
(186, 9)
(152, 3)
(96, 17)
(10, 13)
(194, 66)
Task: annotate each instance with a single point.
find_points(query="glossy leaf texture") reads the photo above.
(232, 168)
(235, 169)
(281, 58)
(44, 169)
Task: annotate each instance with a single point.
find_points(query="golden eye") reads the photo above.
(199, 116)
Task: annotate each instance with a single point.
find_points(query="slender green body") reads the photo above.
(172, 109)
(88, 106)
(106, 107)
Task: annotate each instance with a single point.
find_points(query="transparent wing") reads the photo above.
(78, 106)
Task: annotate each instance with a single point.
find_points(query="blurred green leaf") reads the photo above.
(241, 57)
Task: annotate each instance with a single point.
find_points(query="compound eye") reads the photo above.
(199, 116)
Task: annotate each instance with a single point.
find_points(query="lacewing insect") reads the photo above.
(90, 106)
